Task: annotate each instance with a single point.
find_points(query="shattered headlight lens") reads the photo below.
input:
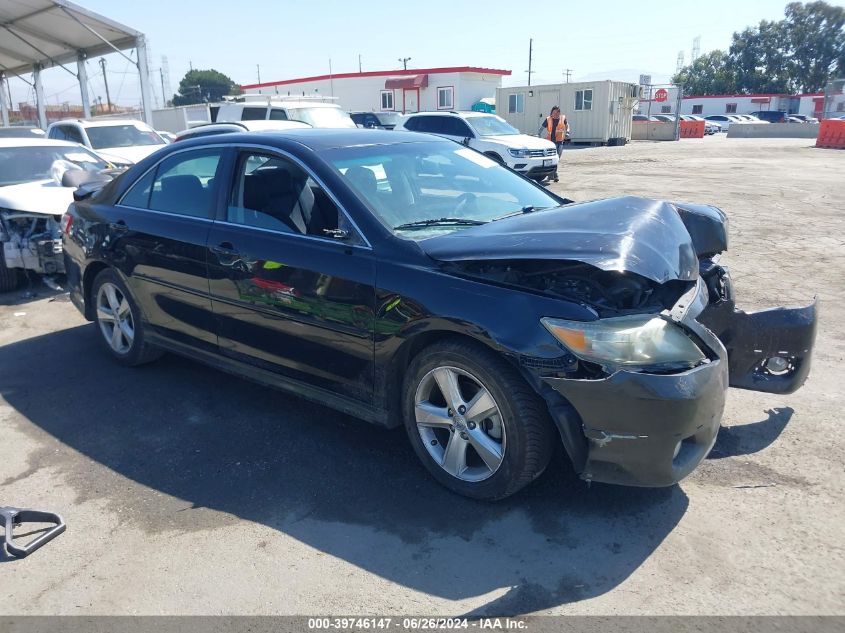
(633, 341)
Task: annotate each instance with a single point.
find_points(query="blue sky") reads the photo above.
(611, 39)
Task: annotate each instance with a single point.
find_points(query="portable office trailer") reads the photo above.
(597, 111)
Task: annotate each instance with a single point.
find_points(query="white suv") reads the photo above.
(122, 142)
(263, 108)
(491, 135)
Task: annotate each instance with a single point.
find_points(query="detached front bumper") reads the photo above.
(645, 429)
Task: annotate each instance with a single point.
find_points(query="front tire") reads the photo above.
(120, 328)
(476, 425)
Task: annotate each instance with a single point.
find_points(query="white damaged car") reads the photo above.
(37, 181)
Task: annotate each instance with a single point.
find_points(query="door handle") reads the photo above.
(224, 248)
(119, 226)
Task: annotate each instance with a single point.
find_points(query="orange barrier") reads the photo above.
(692, 129)
(831, 134)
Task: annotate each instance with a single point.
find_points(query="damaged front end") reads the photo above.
(31, 241)
(638, 394)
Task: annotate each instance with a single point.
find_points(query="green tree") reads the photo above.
(815, 32)
(800, 53)
(710, 74)
(198, 86)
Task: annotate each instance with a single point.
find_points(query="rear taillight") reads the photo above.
(67, 222)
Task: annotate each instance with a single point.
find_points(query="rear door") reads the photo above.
(160, 227)
(286, 295)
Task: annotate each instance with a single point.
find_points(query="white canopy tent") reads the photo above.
(39, 34)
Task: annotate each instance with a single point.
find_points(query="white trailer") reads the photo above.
(597, 111)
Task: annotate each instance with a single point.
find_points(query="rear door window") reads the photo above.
(183, 184)
(277, 114)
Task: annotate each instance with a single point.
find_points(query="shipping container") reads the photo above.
(597, 111)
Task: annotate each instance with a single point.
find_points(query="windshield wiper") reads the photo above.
(438, 222)
(527, 209)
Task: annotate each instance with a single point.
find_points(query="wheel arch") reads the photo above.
(91, 271)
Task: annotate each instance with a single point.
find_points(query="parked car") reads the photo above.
(407, 280)
(211, 129)
(640, 118)
(724, 120)
(771, 116)
(122, 142)
(19, 131)
(666, 118)
(37, 180)
(749, 118)
(314, 112)
(491, 135)
(376, 120)
(710, 127)
(803, 118)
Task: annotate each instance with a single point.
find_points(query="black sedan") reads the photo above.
(408, 280)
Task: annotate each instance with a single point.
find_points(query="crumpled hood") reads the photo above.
(41, 196)
(637, 235)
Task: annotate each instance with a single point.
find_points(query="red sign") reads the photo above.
(661, 94)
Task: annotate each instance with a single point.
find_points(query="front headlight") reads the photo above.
(632, 341)
(518, 153)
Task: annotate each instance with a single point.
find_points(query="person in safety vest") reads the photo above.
(554, 128)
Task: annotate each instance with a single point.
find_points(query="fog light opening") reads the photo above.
(777, 365)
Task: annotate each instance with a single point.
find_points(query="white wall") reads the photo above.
(364, 93)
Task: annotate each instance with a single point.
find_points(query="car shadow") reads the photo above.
(753, 437)
(208, 449)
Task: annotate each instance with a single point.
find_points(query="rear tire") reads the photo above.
(117, 318)
(10, 278)
(491, 436)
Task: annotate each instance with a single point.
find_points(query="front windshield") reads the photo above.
(491, 126)
(123, 135)
(27, 164)
(405, 183)
(322, 117)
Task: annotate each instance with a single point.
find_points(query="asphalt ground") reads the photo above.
(188, 491)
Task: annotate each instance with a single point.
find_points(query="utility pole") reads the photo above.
(359, 63)
(190, 65)
(331, 78)
(567, 72)
(163, 94)
(404, 61)
(105, 81)
(258, 68)
(530, 59)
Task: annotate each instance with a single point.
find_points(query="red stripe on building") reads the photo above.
(382, 73)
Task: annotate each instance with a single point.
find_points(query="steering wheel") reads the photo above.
(466, 202)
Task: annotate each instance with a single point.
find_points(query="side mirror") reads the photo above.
(466, 141)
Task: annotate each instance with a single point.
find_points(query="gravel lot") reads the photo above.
(187, 491)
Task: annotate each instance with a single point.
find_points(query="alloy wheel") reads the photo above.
(114, 315)
(460, 423)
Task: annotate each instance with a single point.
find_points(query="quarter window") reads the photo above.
(272, 192)
(445, 98)
(387, 100)
(278, 115)
(516, 103)
(183, 184)
(584, 99)
(254, 114)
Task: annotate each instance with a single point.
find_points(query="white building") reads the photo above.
(456, 88)
(597, 111)
(808, 104)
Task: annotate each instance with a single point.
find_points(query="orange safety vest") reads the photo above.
(560, 130)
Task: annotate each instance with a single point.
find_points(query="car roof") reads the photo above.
(100, 123)
(462, 113)
(321, 138)
(35, 142)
